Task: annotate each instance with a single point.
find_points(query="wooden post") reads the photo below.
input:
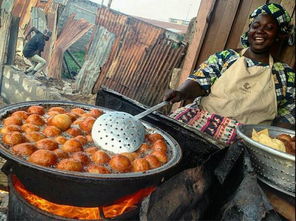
(203, 18)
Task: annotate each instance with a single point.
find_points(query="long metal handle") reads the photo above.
(150, 110)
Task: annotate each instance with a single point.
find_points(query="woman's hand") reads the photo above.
(173, 96)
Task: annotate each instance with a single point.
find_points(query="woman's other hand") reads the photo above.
(173, 96)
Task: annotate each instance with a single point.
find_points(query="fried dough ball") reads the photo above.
(100, 157)
(85, 115)
(35, 119)
(81, 139)
(12, 121)
(144, 148)
(81, 157)
(70, 164)
(72, 145)
(51, 131)
(13, 138)
(27, 127)
(154, 137)
(36, 110)
(61, 121)
(87, 124)
(49, 120)
(47, 144)
(78, 121)
(24, 149)
(52, 113)
(96, 112)
(97, 169)
(72, 116)
(153, 161)
(73, 131)
(283, 137)
(159, 145)
(43, 157)
(140, 165)
(161, 156)
(60, 139)
(91, 150)
(34, 136)
(131, 155)
(21, 114)
(120, 163)
(61, 154)
(60, 110)
(10, 128)
(289, 147)
(89, 138)
(78, 111)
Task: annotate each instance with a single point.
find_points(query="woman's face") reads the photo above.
(262, 33)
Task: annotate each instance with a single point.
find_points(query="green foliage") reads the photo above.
(79, 56)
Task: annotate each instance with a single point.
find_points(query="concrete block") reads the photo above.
(16, 77)
(41, 92)
(27, 85)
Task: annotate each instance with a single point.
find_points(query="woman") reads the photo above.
(242, 86)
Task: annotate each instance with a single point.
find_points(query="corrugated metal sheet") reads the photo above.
(22, 9)
(38, 19)
(7, 5)
(97, 56)
(142, 58)
(71, 32)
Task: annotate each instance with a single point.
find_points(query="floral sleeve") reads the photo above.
(211, 69)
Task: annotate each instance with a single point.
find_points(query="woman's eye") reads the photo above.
(269, 27)
(255, 25)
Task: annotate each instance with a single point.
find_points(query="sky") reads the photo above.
(156, 9)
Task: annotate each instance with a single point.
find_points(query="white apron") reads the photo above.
(244, 94)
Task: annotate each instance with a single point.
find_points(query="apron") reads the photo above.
(244, 94)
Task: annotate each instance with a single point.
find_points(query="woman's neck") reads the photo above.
(260, 57)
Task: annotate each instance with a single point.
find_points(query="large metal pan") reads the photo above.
(84, 189)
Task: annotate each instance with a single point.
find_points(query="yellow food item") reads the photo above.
(264, 138)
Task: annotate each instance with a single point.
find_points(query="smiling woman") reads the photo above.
(242, 86)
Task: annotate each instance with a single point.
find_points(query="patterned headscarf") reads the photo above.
(276, 11)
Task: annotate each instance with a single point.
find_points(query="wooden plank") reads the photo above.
(203, 17)
(218, 31)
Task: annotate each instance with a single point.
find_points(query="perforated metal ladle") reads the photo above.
(121, 132)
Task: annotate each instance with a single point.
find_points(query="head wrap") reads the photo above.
(276, 11)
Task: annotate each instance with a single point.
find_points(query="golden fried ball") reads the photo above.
(10, 128)
(85, 115)
(35, 119)
(100, 157)
(61, 154)
(78, 111)
(283, 137)
(72, 145)
(96, 113)
(81, 139)
(47, 144)
(72, 116)
(34, 136)
(27, 127)
(161, 156)
(36, 110)
(61, 121)
(154, 137)
(144, 148)
(43, 157)
(60, 139)
(60, 110)
(87, 124)
(159, 145)
(51, 131)
(120, 163)
(52, 113)
(140, 165)
(91, 150)
(153, 161)
(78, 121)
(13, 138)
(89, 138)
(70, 164)
(73, 131)
(81, 157)
(97, 169)
(12, 121)
(21, 114)
(131, 155)
(24, 149)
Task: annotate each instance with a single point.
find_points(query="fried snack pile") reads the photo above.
(60, 138)
(282, 142)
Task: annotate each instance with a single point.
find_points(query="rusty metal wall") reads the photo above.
(141, 60)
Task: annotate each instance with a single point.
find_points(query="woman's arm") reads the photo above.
(30, 31)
